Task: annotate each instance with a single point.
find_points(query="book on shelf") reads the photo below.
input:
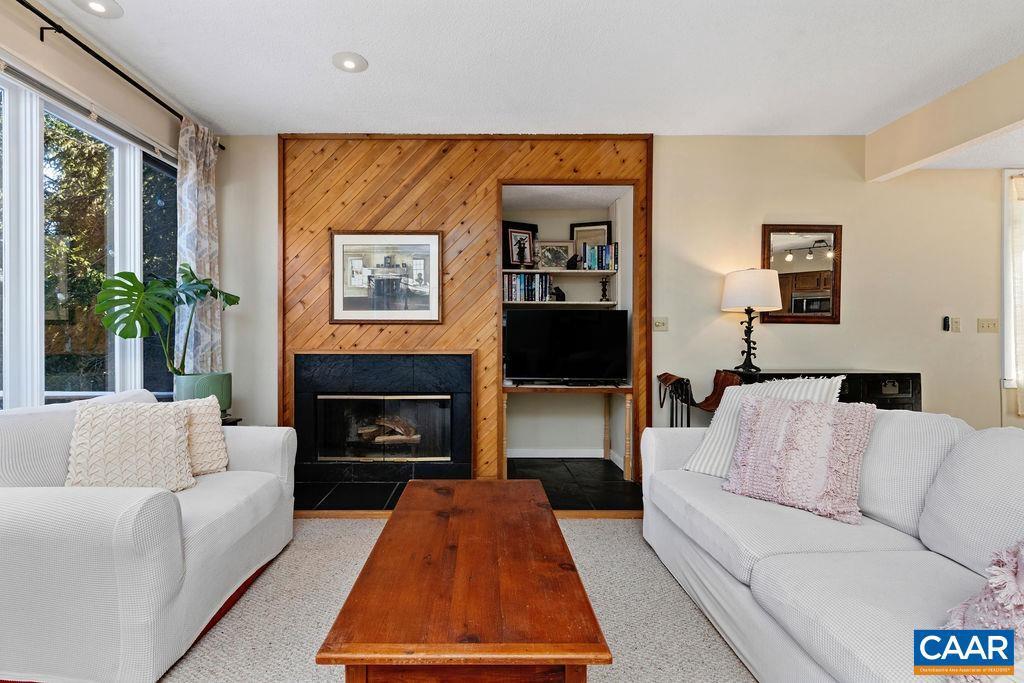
(600, 256)
(526, 286)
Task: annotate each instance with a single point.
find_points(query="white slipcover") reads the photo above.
(115, 584)
(855, 613)
(900, 462)
(976, 504)
(738, 531)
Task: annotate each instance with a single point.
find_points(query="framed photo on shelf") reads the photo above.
(594, 232)
(553, 255)
(512, 232)
(384, 277)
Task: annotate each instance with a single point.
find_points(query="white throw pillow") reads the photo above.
(714, 455)
(207, 450)
(130, 444)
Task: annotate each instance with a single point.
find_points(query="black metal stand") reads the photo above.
(747, 369)
(679, 395)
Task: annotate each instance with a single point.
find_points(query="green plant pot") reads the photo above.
(202, 385)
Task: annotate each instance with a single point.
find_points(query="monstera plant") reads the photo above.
(133, 309)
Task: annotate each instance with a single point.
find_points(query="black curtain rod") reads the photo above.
(57, 28)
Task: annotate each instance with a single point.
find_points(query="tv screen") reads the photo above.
(566, 345)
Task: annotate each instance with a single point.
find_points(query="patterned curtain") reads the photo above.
(198, 242)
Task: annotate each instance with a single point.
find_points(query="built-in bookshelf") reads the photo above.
(537, 287)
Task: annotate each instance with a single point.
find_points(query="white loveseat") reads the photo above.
(115, 584)
(804, 598)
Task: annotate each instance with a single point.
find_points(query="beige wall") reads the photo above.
(62, 62)
(247, 210)
(916, 248)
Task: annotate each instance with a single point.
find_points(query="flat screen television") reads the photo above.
(566, 346)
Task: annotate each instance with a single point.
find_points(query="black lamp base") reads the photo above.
(747, 370)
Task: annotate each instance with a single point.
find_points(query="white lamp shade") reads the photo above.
(756, 288)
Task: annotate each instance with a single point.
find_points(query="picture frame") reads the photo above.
(386, 277)
(592, 232)
(516, 239)
(554, 254)
(508, 246)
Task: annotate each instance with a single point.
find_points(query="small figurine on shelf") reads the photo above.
(521, 251)
(558, 294)
(604, 288)
(573, 263)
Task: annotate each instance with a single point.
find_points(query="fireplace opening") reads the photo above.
(384, 428)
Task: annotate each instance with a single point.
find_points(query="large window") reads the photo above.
(77, 203)
(159, 253)
(78, 216)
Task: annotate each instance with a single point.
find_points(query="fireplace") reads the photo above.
(383, 427)
(372, 417)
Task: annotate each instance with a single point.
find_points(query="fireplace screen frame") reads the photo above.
(383, 398)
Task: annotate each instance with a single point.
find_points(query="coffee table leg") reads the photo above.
(575, 673)
(355, 673)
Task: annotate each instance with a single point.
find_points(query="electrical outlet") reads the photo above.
(954, 324)
(988, 325)
(661, 324)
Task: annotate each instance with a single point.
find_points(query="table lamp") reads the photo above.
(749, 291)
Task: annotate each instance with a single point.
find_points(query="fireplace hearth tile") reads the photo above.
(358, 496)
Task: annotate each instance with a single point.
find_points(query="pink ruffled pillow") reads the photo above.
(802, 454)
(1000, 604)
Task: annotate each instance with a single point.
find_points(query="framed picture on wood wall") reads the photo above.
(380, 277)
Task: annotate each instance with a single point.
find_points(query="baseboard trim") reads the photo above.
(385, 514)
(555, 453)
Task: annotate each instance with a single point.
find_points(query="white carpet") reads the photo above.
(656, 634)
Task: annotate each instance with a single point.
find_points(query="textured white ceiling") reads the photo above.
(524, 66)
(548, 197)
(1005, 150)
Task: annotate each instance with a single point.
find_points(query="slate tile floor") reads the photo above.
(579, 483)
(571, 484)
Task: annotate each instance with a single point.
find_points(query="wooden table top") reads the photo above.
(468, 572)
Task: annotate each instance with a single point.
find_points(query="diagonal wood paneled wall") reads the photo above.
(393, 183)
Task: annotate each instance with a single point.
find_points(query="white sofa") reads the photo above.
(804, 598)
(115, 584)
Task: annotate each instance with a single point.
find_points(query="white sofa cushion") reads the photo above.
(207, 450)
(714, 455)
(975, 506)
(855, 613)
(738, 531)
(35, 442)
(902, 457)
(221, 508)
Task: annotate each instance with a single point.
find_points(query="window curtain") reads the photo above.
(199, 243)
(1016, 246)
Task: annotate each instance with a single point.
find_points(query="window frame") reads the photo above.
(24, 372)
(1009, 295)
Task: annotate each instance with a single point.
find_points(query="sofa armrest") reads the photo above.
(84, 572)
(668, 448)
(263, 449)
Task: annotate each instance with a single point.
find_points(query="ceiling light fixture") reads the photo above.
(789, 256)
(351, 62)
(810, 255)
(107, 9)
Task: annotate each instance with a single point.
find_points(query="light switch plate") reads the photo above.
(661, 324)
(954, 324)
(988, 325)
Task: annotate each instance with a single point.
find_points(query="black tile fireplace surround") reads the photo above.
(380, 418)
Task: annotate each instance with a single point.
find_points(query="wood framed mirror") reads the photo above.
(809, 261)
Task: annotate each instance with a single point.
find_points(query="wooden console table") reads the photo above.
(607, 391)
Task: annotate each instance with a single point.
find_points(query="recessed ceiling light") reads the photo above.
(108, 9)
(351, 62)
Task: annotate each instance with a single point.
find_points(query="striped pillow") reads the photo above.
(714, 454)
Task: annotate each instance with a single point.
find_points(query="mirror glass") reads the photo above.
(807, 259)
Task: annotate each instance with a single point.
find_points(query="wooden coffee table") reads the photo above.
(469, 581)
